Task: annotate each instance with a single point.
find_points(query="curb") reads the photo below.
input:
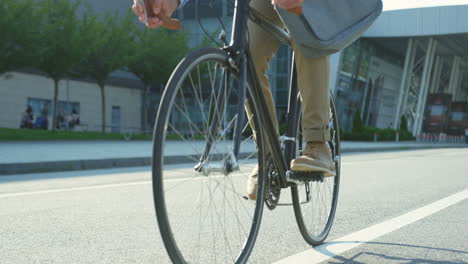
(74, 165)
(71, 165)
(354, 150)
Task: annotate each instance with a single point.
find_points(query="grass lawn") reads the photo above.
(37, 134)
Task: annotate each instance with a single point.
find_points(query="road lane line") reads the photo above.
(174, 170)
(331, 249)
(102, 186)
(73, 189)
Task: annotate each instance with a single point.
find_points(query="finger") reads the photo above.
(296, 10)
(154, 22)
(140, 8)
(153, 26)
(287, 4)
(137, 8)
(172, 23)
(157, 4)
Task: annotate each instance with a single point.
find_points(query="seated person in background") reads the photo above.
(27, 118)
(74, 119)
(42, 122)
(61, 120)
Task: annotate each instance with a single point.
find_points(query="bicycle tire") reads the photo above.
(317, 238)
(173, 234)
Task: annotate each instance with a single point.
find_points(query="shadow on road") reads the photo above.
(367, 257)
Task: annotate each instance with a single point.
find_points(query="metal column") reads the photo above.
(411, 71)
(455, 80)
(454, 74)
(363, 104)
(457, 85)
(435, 83)
(405, 80)
(428, 62)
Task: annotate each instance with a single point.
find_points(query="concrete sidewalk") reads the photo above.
(31, 156)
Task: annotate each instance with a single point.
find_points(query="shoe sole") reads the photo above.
(252, 185)
(311, 168)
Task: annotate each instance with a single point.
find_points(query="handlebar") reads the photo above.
(168, 22)
(296, 10)
(175, 24)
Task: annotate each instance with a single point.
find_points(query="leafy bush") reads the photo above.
(403, 124)
(13, 134)
(358, 125)
(363, 133)
(383, 134)
(283, 128)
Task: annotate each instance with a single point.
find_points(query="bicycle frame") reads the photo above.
(240, 53)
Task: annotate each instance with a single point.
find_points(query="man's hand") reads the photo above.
(163, 8)
(287, 4)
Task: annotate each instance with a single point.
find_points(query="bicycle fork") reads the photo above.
(229, 162)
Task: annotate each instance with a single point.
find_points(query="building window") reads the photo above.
(206, 8)
(279, 76)
(68, 114)
(116, 119)
(41, 112)
(40, 106)
(68, 107)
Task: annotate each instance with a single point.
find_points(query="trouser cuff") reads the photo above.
(321, 135)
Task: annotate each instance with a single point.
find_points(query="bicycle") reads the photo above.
(202, 110)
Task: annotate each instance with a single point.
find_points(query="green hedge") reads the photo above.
(38, 134)
(383, 134)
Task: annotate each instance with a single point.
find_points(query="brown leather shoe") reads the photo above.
(252, 184)
(317, 157)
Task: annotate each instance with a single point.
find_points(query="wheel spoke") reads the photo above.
(205, 212)
(317, 214)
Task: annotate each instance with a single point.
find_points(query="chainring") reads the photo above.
(272, 187)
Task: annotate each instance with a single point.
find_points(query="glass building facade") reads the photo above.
(367, 81)
(370, 75)
(216, 16)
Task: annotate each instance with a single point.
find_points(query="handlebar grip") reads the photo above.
(296, 10)
(170, 23)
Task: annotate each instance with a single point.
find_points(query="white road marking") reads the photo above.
(102, 186)
(73, 189)
(174, 170)
(329, 250)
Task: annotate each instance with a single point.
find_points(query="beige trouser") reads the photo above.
(313, 76)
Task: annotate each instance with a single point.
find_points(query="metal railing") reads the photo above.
(442, 139)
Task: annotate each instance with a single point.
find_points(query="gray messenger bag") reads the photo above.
(328, 26)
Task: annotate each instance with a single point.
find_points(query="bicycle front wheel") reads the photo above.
(201, 208)
(315, 201)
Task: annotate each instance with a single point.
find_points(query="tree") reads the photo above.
(155, 53)
(18, 24)
(358, 125)
(110, 48)
(403, 124)
(62, 45)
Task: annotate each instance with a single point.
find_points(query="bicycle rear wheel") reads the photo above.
(202, 212)
(315, 202)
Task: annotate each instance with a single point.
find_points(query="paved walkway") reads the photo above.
(21, 157)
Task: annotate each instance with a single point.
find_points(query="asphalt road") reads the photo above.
(107, 216)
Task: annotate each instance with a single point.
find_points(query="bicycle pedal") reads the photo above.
(307, 176)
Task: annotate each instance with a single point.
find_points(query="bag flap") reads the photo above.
(328, 18)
